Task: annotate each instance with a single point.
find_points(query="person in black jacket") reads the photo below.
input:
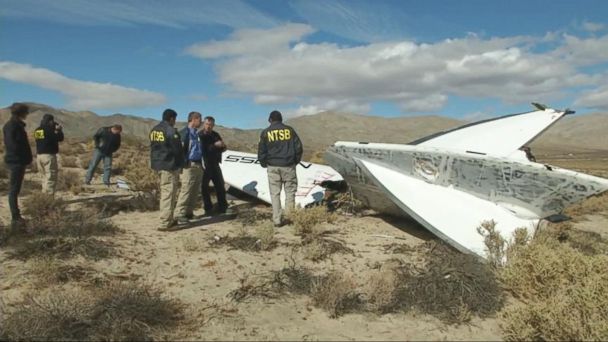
(280, 150)
(18, 155)
(213, 146)
(167, 158)
(107, 141)
(48, 136)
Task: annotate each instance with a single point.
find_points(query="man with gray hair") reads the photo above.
(192, 173)
(280, 150)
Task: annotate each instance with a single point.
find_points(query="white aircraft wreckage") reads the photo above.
(449, 182)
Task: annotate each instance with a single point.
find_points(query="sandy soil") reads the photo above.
(189, 269)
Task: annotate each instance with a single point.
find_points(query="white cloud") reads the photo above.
(415, 76)
(597, 98)
(80, 94)
(178, 14)
(592, 27)
(252, 41)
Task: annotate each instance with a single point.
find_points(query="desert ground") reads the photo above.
(233, 278)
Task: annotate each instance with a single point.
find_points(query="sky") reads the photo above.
(237, 60)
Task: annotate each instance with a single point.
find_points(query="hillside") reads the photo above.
(577, 133)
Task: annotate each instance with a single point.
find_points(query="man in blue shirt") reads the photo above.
(192, 173)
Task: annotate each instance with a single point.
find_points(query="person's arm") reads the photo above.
(118, 144)
(97, 136)
(219, 143)
(10, 138)
(298, 146)
(59, 133)
(262, 151)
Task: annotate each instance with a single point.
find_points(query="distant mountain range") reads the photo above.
(572, 134)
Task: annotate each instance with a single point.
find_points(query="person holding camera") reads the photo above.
(48, 136)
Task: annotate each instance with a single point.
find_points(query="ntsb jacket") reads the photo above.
(166, 152)
(47, 140)
(279, 146)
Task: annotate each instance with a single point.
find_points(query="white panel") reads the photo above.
(242, 171)
(499, 137)
(450, 214)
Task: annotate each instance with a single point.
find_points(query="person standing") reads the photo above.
(213, 146)
(107, 141)
(48, 136)
(167, 158)
(280, 151)
(18, 156)
(192, 173)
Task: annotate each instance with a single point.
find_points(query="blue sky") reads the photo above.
(238, 59)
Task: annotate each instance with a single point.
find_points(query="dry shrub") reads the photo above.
(54, 231)
(252, 286)
(399, 248)
(69, 161)
(62, 247)
(251, 217)
(304, 220)
(382, 288)
(121, 312)
(141, 177)
(452, 286)
(564, 290)
(135, 201)
(262, 240)
(69, 180)
(593, 205)
(292, 279)
(337, 294)
(51, 271)
(494, 242)
(318, 248)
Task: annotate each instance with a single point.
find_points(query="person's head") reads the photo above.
(275, 116)
(116, 129)
(19, 110)
(208, 124)
(170, 116)
(194, 120)
(48, 120)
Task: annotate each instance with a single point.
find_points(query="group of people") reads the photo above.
(190, 157)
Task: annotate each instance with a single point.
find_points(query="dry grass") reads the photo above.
(292, 279)
(261, 240)
(69, 180)
(68, 161)
(141, 177)
(52, 230)
(595, 205)
(383, 286)
(121, 312)
(52, 271)
(318, 247)
(563, 288)
(304, 220)
(252, 217)
(494, 242)
(451, 286)
(336, 294)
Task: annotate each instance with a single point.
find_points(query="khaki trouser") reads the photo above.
(169, 182)
(191, 179)
(47, 166)
(277, 177)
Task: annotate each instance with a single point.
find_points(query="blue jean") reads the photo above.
(107, 166)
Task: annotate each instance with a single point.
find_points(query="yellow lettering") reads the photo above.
(281, 134)
(270, 136)
(157, 136)
(39, 134)
(287, 134)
